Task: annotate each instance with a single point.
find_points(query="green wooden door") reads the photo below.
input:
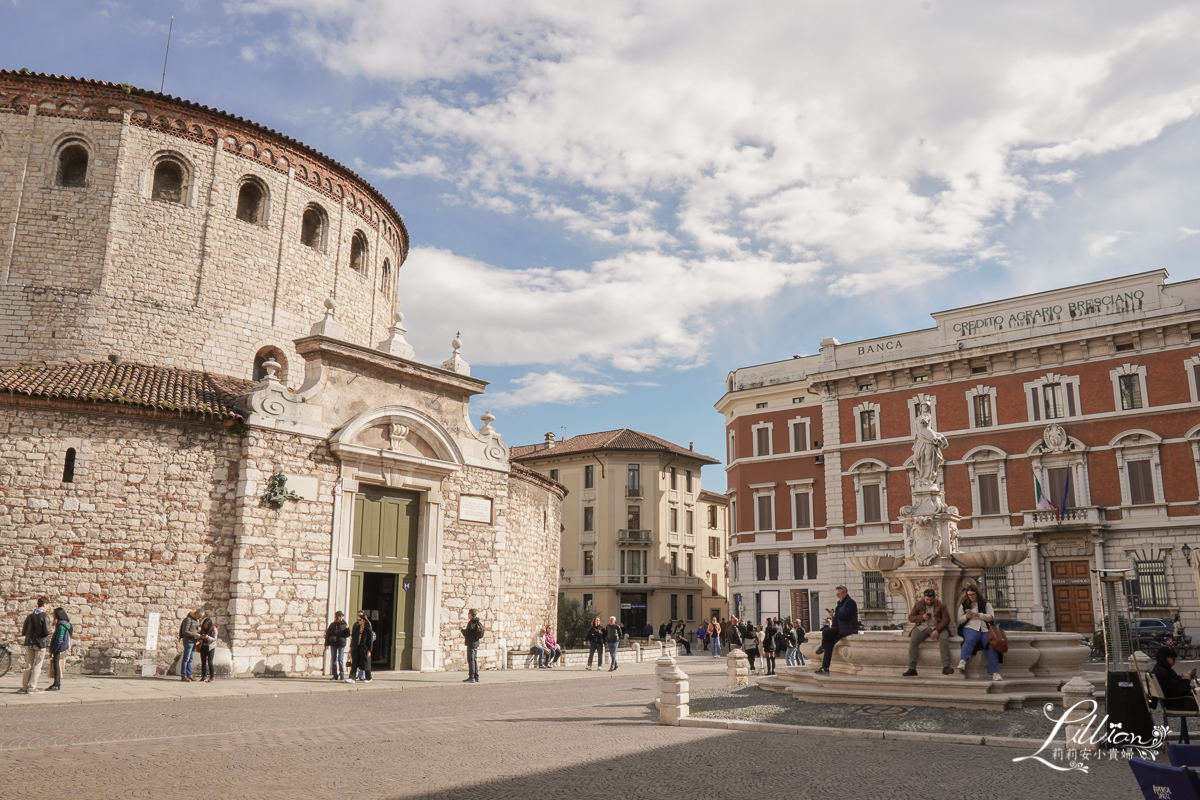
(384, 547)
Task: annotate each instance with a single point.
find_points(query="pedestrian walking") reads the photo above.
(790, 642)
(612, 636)
(60, 643)
(336, 636)
(472, 634)
(595, 638)
(207, 639)
(801, 635)
(189, 632)
(362, 639)
(702, 635)
(37, 630)
(769, 645)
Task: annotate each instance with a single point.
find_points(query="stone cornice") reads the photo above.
(333, 351)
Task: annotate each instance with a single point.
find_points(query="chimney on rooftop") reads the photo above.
(549, 440)
(691, 445)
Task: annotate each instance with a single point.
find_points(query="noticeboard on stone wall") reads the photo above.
(473, 508)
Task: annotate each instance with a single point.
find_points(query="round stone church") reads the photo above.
(207, 401)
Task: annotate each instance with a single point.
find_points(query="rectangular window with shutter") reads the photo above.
(811, 558)
(712, 516)
(1033, 393)
(714, 547)
(674, 606)
(983, 410)
(799, 437)
(1052, 395)
(989, 493)
(674, 562)
(773, 567)
(803, 518)
(760, 567)
(765, 517)
(1152, 583)
(633, 518)
(1141, 485)
(690, 561)
(1131, 391)
(589, 562)
(674, 520)
(762, 441)
(589, 477)
(589, 518)
(866, 425)
(798, 566)
(870, 501)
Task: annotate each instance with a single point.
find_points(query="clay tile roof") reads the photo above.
(622, 439)
(162, 388)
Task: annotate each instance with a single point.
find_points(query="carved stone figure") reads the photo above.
(927, 449)
(1055, 438)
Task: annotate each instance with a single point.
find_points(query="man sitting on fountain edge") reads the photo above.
(933, 621)
(844, 622)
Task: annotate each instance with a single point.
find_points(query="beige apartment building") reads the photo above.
(641, 540)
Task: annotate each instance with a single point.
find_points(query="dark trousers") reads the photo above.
(206, 663)
(56, 667)
(750, 656)
(473, 663)
(596, 649)
(687, 646)
(770, 659)
(829, 637)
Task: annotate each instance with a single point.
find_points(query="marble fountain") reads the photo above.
(866, 667)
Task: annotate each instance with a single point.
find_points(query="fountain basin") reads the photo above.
(986, 559)
(874, 563)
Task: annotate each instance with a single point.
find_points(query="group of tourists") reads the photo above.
(974, 617)
(545, 649)
(44, 632)
(601, 637)
(350, 648)
(197, 633)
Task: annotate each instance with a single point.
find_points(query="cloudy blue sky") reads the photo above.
(618, 203)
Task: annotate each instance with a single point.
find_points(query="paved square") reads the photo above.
(595, 737)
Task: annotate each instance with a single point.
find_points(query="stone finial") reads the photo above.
(271, 367)
(488, 418)
(455, 362)
(328, 326)
(395, 344)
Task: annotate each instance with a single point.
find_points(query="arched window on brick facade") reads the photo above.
(72, 164)
(358, 252)
(313, 224)
(252, 201)
(169, 180)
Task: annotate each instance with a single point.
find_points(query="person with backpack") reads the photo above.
(60, 643)
(37, 630)
(189, 634)
(336, 636)
(472, 634)
(750, 645)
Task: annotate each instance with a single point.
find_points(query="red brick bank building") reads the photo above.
(1086, 396)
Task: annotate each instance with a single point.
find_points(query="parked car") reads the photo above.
(1016, 625)
(1150, 631)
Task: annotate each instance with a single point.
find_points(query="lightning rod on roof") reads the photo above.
(170, 28)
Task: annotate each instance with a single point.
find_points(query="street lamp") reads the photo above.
(1187, 554)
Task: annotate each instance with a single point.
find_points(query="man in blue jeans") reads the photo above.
(612, 635)
(189, 634)
(714, 638)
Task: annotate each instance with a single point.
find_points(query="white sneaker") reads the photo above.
(962, 666)
(996, 676)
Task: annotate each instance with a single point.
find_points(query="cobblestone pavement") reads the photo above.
(585, 738)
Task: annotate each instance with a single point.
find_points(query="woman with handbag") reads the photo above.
(975, 614)
(769, 645)
(207, 639)
(362, 638)
(60, 642)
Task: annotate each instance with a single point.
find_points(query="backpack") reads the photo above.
(60, 644)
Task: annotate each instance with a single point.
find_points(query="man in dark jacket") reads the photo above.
(844, 622)
(612, 635)
(189, 635)
(932, 620)
(472, 634)
(733, 634)
(336, 636)
(681, 637)
(37, 631)
(1176, 688)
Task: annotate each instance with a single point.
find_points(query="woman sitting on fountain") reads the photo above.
(974, 615)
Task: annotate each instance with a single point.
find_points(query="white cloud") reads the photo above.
(1187, 233)
(549, 387)
(729, 151)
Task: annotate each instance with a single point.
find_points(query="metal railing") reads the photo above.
(633, 491)
(627, 535)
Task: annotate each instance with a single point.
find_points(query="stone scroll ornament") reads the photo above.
(923, 540)
(277, 492)
(927, 449)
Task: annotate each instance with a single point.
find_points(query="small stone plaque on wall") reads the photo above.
(472, 508)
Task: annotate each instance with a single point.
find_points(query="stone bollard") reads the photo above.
(737, 668)
(664, 663)
(673, 696)
(1079, 734)
(637, 652)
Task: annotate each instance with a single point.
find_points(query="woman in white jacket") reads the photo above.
(975, 614)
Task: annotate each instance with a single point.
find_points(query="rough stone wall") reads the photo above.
(281, 556)
(105, 268)
(472, 554)
(531, 559)
(147, 524)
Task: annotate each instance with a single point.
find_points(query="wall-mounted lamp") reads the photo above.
(819, 460)
(1187, 554)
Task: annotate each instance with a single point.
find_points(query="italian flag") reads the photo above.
(1042, 502)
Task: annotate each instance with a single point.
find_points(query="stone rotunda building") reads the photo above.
(207, 400)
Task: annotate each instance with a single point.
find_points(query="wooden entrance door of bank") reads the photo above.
(1072, 584)
(383, 582)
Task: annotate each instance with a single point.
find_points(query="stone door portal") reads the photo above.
(1072, 584)
(383, 582)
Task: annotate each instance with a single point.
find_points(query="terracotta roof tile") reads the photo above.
(128, 383)
(622, 439)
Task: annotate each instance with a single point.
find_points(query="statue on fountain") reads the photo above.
(927, 449)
